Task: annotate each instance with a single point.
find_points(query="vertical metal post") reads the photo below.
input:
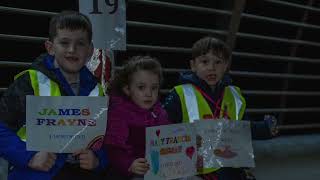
(238, 8)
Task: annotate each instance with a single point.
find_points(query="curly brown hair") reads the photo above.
(136, 63)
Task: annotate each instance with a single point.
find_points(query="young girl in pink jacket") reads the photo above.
(134, 105)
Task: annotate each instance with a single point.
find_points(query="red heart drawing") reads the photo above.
(158, 132)
(190, 151)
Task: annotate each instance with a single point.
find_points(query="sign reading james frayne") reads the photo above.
(64, 124)
(108, 19)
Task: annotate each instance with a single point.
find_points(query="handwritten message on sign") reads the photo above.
(171, 151)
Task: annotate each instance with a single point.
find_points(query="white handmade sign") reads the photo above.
(171, 151)
(65, 124)
(224, 143)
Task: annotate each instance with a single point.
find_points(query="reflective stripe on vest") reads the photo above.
(22, 133)
(97, 91)
(43, 86)
(200, 103)
(232, 102)
(192, 103)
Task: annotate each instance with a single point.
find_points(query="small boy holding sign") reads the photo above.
(206, 93)
(60, 72)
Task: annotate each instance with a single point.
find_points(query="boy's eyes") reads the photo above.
(79, 43)
(140, 87)
(82, 43)
(206, 61)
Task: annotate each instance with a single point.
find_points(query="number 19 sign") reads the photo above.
(108, 18)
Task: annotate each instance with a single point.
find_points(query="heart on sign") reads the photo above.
(158, 132)
(190, 151)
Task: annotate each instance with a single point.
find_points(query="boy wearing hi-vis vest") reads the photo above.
(60, 72)
(206, 93)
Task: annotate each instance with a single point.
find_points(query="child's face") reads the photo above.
(209, 68)
(143, 88)
(71, 49)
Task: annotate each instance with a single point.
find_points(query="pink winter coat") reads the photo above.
(125, 136)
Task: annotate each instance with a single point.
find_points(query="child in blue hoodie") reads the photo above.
(61, 71)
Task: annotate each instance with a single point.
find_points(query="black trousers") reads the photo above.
(74, 172)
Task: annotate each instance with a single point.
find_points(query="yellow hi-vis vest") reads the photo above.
(195, 106)
(43, 86)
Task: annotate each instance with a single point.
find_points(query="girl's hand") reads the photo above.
(87, 158)
(139, 166)
(42, 161)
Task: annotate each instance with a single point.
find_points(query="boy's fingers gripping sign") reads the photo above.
(42, 161)
(87, 159)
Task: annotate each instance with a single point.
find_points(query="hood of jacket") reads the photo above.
(40, 65)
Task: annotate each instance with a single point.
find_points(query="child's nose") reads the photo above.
(71, 48)
(212, 65)
(149, 92)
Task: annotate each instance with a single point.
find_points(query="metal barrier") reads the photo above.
(250, 16)
(288, 4)
(182, 7)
